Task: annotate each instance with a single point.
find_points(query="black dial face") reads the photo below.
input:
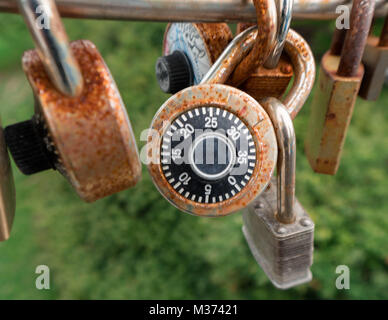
(208, 155)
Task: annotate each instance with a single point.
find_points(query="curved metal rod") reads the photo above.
(188, 10)
(303, 62)
(296, 48)
(284, 9)
(286, 164)
(52, 44)
(267, 22)
(236, 50)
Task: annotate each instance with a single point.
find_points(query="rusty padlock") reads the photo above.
(212, 148)
(272, 78)
(278, 230)
(375, 60)
(339, 82)
(189, 50)
(80, 126)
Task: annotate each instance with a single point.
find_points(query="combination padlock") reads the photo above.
(375, 60)
(339, 82)
(80, 126)
(272, 78)
(278, 230)
(189, 50)
(212, 148)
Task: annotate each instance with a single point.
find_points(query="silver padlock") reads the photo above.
(278, 230)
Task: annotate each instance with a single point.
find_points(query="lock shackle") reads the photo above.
(337, 42)
(267, 18)
(284, 10)
(361, 18)
(52, 44)
(237, 49)
(296, 48)
(303, 62)
(286, 163)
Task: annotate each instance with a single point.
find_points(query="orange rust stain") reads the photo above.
(90, 132)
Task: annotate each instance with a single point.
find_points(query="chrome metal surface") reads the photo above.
(286, 164)
(188, 10)
(284, 8)
(52, 44)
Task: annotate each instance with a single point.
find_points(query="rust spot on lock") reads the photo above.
(267, 24)
(331, 113)
(92, 134)
(269, 82)
(216, 36)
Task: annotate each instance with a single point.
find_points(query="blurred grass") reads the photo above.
(134, 245)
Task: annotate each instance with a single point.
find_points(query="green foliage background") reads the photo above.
(134, 245)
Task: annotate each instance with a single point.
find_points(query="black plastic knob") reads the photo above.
(174, 72)
(25, 141)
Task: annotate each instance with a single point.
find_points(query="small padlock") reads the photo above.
(189, 50)
(279, 232)
(375, 60)
(87, 137)
(272, 78)
(339, 82)
(211, 118)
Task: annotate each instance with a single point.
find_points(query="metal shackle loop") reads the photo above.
(296, 48)
(286, 163)
(237, 49)
(284, 10)
(267, 18)
(353, 48)
(52, 44)
(303, 62)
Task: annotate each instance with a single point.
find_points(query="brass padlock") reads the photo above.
(375, 60)
(189, 50)
(278, 230)
(339, 82)
(87, 137)
(272, 78)
(212, 117)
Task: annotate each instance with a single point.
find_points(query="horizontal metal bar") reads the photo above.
(188, 10)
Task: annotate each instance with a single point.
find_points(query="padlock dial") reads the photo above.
(208, 154)
(202, 43)
(211, 150)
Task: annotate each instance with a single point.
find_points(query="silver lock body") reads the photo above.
(283, 251)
